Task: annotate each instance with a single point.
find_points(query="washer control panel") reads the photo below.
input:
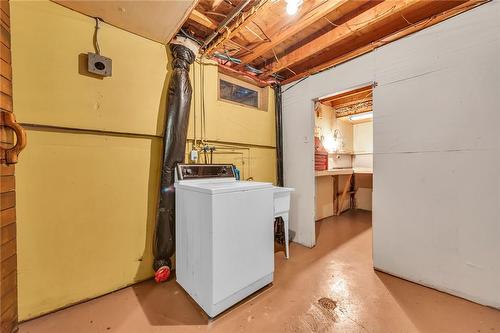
(199, 171)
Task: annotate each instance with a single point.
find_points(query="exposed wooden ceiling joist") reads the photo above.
(347, 104)
(312, 16)
(323, 34)
(388, 39)
(216, 4)
(351, 102)
(239, 23)
(202, 19)
(349, 97)
(377, 14)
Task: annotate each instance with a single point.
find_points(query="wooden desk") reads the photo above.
(348, 185)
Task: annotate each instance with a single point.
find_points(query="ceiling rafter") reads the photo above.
(355, 108)
(388, 39)
(216, 3)
(348, 104)
(377, 14)
(202, 19)
(239, 23)
(312, 16)
(264, 39)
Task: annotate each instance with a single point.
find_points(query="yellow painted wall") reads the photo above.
(85, 200)
(242, 135)
(47, 42)
(86, 208)
(228, 121)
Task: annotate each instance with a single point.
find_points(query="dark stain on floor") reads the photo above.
(327, 303)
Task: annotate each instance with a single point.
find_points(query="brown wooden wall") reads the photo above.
(8, 259)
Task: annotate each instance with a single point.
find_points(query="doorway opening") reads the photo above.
(343, 142)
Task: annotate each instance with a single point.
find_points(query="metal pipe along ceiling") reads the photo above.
(225, 22)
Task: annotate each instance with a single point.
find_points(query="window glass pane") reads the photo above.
(238, 94)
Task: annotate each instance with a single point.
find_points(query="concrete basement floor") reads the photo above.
(330, 288)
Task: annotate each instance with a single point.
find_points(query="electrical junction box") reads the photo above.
(97, 64)
(194, 155)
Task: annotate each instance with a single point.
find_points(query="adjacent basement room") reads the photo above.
(343, 156)
(250, 166)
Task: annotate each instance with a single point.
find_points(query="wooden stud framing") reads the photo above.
(340, 204)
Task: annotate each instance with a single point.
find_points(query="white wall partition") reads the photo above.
(436, 214)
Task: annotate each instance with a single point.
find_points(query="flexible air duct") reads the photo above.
(174, 145)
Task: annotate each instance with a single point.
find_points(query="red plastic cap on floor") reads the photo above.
(162, 274)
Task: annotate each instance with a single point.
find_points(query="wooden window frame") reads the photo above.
(262, 93)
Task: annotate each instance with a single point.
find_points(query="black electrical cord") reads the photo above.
(279, 133)
(293, 85)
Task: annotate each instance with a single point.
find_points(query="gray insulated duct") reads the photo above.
(174, 145)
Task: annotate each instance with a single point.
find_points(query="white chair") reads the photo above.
(281, 208)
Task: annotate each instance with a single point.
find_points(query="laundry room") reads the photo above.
(249, 165)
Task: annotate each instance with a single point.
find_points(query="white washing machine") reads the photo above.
(224, 235)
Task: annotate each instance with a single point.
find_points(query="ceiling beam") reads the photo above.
(202, 19)
(216, 4)
(388, 39)
(312, 16)
(351, 94)
(238, 23)
(355, 109)
(346, 104)
(381, 12)
(246, 77)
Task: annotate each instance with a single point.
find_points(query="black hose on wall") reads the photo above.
(174, 145)
(279, 133)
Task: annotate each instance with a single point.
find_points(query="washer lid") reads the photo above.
(221, 187)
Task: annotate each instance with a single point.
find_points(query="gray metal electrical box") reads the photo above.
(97, 64)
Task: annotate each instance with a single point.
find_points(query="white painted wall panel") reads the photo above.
(363, 137)
(436, 220)
(298, 149)
(364, 161)
(450, 109)
(436, 152)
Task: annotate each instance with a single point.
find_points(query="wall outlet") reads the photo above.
(194, 155)
(97, 64)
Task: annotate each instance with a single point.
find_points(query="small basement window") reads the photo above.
(242, 93)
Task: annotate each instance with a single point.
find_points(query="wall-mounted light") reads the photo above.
(333, 142)
(292, 6)
(361, 116)
(329, 143)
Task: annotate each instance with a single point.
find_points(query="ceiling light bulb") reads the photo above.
(360, 116)
(292, 6)
(330, 144)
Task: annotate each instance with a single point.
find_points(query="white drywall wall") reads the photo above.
(363, 159)
(436, 153)
(363, 137)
